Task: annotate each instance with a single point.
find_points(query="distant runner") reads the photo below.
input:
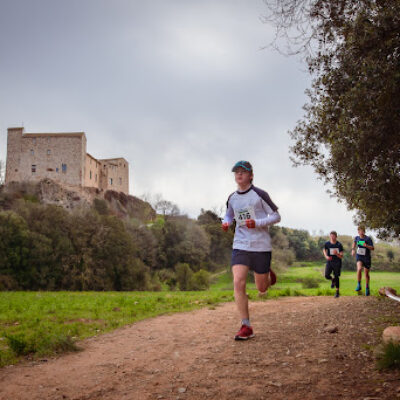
(364, 245)
(333, 252)
(253, 211)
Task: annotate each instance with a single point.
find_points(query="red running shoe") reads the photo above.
(272, 276)
(245, 332)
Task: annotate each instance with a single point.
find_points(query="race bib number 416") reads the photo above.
(245, 213)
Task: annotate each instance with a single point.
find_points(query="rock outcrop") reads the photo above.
(47, 191)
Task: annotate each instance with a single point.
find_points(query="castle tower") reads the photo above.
(14, 144)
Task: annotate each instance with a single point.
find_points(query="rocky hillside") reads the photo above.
(70, 197)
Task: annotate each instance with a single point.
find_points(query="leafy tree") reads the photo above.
(14, 248)
(350, 131)
(220, 241)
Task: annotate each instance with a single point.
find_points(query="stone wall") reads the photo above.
(14, 138)
(92, 172)
(62, 158)
(115, 173)
(35, 156)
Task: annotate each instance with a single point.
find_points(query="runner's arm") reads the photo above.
(370, 245)
(341, 251)
(229, 215)
(353, 248)
(271, 219)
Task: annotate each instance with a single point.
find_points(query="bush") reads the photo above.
(19, 345)
(168, 277)
(309, 282)
(184, 276)
(100, 206)
(390, 356)
(200, 280)
(155, 284)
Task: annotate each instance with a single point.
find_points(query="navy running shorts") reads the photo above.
(257, 261)
(365, 263)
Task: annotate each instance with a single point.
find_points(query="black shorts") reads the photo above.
(365, 263)
(257, 261)
(333, 267)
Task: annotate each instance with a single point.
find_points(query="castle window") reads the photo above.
(90, 175)
(64, 168)
(34, 140)
(120, 181)
(33, 168)
(95, 178)
(32, 153)
(110, 181)
(57, 169)
(48, 152)
(48, 140)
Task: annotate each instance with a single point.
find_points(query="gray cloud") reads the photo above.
(181, 89)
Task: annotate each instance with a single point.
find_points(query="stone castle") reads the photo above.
(62, 157)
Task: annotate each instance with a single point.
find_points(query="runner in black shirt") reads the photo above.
(333, 252)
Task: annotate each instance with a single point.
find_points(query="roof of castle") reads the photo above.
(59, 134)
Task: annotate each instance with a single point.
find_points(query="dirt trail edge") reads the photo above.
(193, 356)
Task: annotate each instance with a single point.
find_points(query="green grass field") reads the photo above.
(39, 324)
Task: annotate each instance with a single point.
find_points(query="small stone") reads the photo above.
(382, 291)
(322, 361)
(182, 390)
(391, 334)
(116, 309)
(331, 329)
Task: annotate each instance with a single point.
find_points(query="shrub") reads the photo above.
(309, 282)
(183, 276)
(19, 345)
(390, 356)
(100, 206)
(200, 280)
(168, 277)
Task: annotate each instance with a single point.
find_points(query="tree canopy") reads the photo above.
(350, 133)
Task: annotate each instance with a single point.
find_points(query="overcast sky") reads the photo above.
(181, 89)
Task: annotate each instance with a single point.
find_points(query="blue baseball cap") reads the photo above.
(243, 164)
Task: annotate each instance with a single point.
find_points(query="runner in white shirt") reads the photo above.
(253, 211)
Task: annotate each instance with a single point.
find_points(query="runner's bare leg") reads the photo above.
(359, 270)
(366, 271)
(239, 285)
(263, 282)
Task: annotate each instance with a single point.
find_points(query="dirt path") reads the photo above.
(193, 356)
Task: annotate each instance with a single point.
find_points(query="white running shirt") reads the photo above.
(255, 204)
